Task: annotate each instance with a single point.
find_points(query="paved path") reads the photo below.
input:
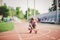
(45, 32)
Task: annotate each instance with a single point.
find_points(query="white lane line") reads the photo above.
(18, 33)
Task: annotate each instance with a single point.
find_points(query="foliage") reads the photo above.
(53, 8)
(37, 12)
(34, 11)
(27, 12)
(17, 10)
(50, 9)
(4, 10)
(11, 11)
(31, 12)
(19, 13)
(25, 16)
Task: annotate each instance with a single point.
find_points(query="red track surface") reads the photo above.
(45, 32)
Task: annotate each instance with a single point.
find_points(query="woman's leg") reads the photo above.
(35, 30)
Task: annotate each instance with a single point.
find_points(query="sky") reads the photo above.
(41, 5)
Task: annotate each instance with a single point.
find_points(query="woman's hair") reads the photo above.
(32, 18)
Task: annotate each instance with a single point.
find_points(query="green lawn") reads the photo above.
(6, 26)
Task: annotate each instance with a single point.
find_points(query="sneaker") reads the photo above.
(35, 32)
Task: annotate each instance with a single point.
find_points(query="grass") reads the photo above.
(6, 26)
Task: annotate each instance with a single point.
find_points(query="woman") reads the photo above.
(32, 25)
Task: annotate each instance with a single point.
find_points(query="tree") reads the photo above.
(50, 9)
(4, 11)
(32, 11)
(27, 12)
(53, 8)
(25, 16)
(17, 10)
(37, 12)
(19, 13)
(11, 11)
